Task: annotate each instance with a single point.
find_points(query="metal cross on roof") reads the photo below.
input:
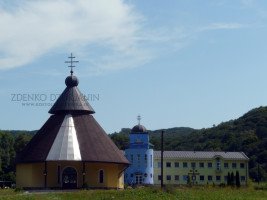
(71, 63)
(139, 119)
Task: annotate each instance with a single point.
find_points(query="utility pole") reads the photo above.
(161, 160)
(258, 173)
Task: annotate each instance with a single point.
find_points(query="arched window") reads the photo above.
(101, 176)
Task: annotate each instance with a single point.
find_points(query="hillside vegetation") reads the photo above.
(247, 133)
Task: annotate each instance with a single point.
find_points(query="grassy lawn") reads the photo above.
(147, 193)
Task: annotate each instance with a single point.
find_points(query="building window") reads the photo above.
(101, 176)
(145, 157)
(150, 175)
(138, 157)
(176, 177)
(159, 177)
(218, 164)
(159, 164)
(193, 164)
(218, 178)
(168, 164)
(151, 161)
(209, 165)
(226, 165)
(233, 165)
(131, 175)
(184, 164)
(243, 178)
(210, 178)
(185, 177)
(201, 178)
(176, 164)
(169, 177)
(242, 165)
(201, 165)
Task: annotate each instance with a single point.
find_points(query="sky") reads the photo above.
(176, 63)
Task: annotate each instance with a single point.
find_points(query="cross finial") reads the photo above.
(71, 63)
(139, 119)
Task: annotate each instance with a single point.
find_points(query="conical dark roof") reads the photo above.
(94, 144)
(71, 133)
(71, 100)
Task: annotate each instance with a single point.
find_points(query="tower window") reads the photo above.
(145, 157)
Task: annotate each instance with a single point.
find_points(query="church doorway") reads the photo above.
(138, 179)
(69, 178)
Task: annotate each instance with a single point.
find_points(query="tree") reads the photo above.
(188, 180)
(237, 179)
(232, 182)
(228, 179)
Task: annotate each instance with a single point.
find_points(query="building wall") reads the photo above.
(32, 175)
(177, 173)
(142, 163)
(29, 175)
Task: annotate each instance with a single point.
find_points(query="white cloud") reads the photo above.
(30, 29)
(219, 26)
(106, 34)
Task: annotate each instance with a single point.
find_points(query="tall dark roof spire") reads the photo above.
(71, 100)
(71, 63)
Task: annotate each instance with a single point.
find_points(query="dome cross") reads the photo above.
(139, 119)
(71, 63)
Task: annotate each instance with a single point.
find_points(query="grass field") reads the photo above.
(147, 193)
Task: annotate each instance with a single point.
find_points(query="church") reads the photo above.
(71, 150)
(140, 155)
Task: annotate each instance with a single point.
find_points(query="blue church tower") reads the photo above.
(140, 155)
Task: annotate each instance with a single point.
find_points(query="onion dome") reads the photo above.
(139, 129)
(71, 81)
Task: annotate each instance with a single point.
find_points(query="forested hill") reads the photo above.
(247, 133)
